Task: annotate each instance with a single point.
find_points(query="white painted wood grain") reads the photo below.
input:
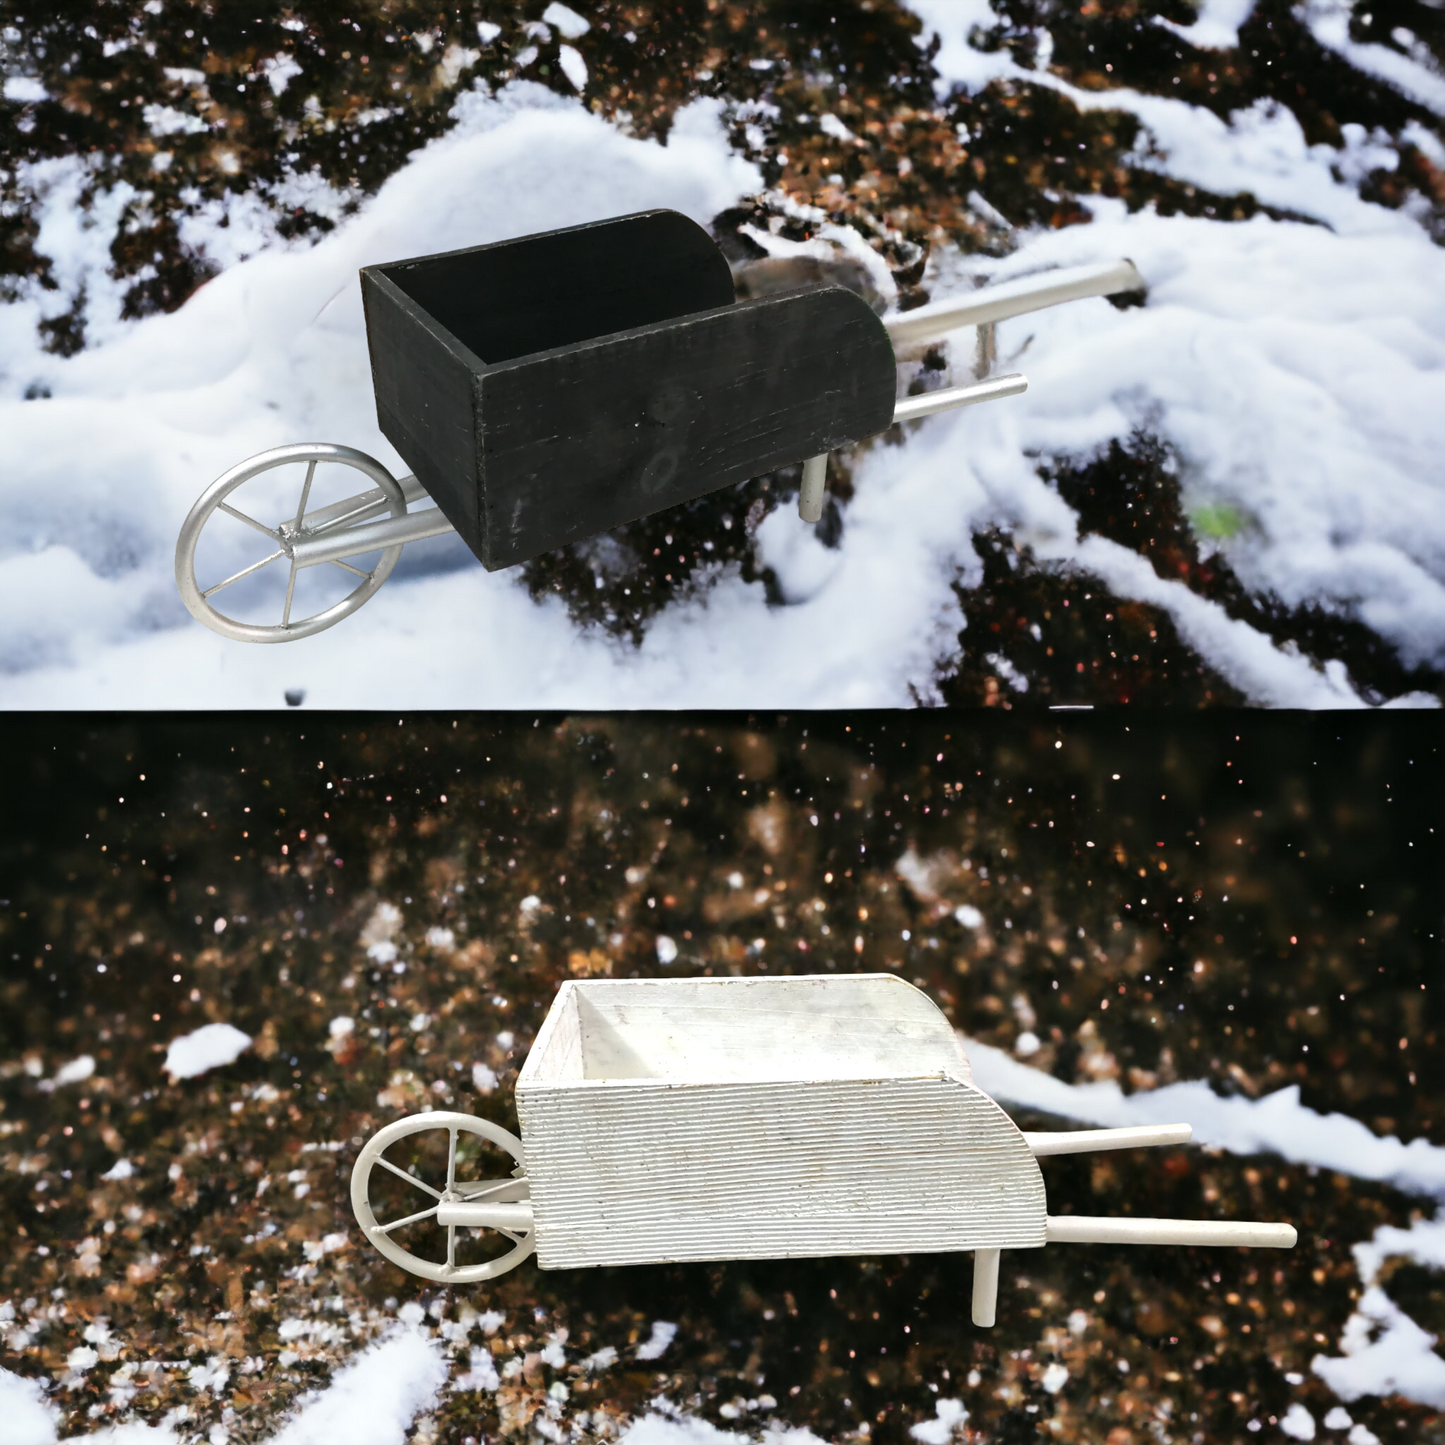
(810, 1026)
(754, 1118)
(634, 1171)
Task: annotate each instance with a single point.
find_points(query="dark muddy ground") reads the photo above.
(380, 80)
(760, 845)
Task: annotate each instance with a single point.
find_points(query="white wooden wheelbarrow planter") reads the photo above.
(757, 1118)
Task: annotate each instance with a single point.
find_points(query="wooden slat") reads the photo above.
(645, 1171)
(589, 437)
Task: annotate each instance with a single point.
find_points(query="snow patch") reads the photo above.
(950, 1414)
(75, 1072)
(210, 1047)
(1298, 1423)
(655, 1346)
(567, 21)
(569, 58)
(481, 1372)
(25, 89)
(1216, 24)
(1416, 76)
(30, 1418)
(1277, 1123)
(677, 1428)
(1384, 1352)
(375, 1398)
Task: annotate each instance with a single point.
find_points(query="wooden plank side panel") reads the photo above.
(639, 1173)
(425, 385)
(556, 1054)
(581, 440)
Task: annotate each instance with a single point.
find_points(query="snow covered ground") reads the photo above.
(1297, 367)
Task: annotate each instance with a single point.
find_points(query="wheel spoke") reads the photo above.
(290, 591)
(517, 1237)
(410, 1178)
(481, 1188)
(410, 1219)
(249, 521)
(451, 1246)
(305, 492)
(451, 1160)
(346, 566)
(365, 504)
(244, 572)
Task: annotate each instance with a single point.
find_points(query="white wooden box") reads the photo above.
(758, 1118)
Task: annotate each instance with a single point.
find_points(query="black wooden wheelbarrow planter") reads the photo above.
(549, 388)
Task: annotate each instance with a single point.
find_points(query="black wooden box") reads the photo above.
(550, 388)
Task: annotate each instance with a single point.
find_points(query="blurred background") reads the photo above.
(1242, 922)
(1224, 489)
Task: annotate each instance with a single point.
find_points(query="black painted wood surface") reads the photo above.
(585, 438)
(547, 389)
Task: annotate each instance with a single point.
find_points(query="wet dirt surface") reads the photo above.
(381, 80)
(1256, 905)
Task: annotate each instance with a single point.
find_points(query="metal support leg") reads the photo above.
(815, 483)
(985, 1286)
(985, 350)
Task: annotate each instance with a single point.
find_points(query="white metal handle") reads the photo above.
(1084, 1229)
(1086, 1141)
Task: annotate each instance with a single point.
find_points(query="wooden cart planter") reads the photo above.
(549, 388)
(758, 1118)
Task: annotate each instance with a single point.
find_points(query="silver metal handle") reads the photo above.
(1012, 298)
(354, 541)
(913, 407)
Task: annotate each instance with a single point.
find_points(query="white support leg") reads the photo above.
(815, 483)
(985, 1287)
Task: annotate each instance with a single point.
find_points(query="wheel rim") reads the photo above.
(378, 1233)
(283, 536)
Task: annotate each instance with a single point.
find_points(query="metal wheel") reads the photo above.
(497, 1191)
(283, 537)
